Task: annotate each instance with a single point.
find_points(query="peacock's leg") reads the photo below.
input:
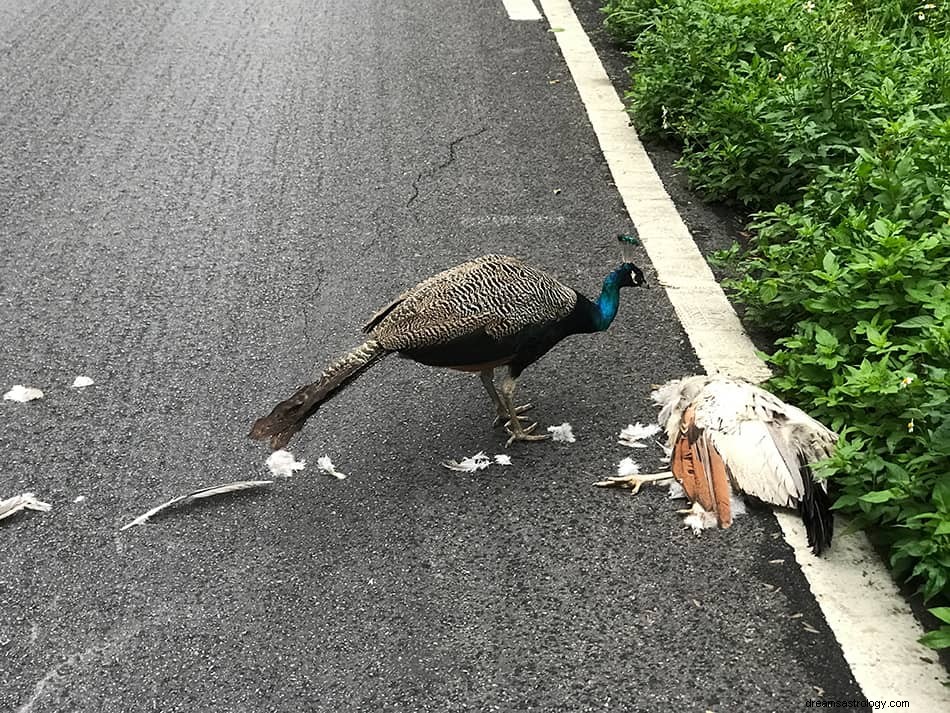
(635, 481)
(514, 427)
(502, 418)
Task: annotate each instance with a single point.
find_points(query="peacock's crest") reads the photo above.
(628, 245)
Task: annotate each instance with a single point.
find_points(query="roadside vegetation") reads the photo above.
(830, 121)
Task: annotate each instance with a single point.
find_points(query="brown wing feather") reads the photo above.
(686, 465)
(700, 469)
(719, 479)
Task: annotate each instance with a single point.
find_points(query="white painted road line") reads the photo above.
(855, 591)
(521, 10)
(873, 624)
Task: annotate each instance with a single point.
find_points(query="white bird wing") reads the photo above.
(757, 465)
(763, 440)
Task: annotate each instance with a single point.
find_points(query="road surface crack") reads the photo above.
(432, 171)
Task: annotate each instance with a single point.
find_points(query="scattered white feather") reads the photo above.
(80, 499)
(563, 433)
(502, 459)
(737, 505)
(699, 519)
(196, 495)
(149, 513)
(23, 394)
(81, 382)
(479, 461)
(326, 465)
(634, 434)
(283, 464)
(676, 490)
(226, 488)
(627, 467)
(26, 501)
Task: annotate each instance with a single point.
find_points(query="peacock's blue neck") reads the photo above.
(609, 300)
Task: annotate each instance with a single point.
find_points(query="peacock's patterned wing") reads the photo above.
(446, 275)
(496, 294)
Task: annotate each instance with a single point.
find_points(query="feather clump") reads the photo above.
(627, 467)
(479, 461)
(200, 494)
(326, 465)
(25, 501)
(633, 435)
(563, 433)
(22, 394)
(283, 463)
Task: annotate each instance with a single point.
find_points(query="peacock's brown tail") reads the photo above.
(289, 415)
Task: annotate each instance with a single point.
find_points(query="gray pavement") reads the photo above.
(199, 204)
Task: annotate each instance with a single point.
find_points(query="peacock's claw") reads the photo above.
(524, 433)
(634, 481)
(627, 481)
(503, 419)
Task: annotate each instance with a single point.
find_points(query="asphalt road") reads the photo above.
(199, 204)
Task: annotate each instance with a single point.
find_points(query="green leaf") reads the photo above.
(876, 338)
(830, 262)
(825, 338)
(943, 528)
(917, 322)
(845, 501)
(882, 227)
(768, 292)
(941, 495)
(939, 639)
(940, 444)
(877, 496)
(942, 613)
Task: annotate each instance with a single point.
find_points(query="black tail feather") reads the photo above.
(289, 415)
(815, 509)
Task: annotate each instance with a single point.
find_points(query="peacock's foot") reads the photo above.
(503, 419)
(634, 481)
(523, 433)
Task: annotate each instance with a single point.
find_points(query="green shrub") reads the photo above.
(859, 268)
(690, 51)
(763, 93)
(628, 19)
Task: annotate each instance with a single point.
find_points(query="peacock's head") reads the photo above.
(631, 276)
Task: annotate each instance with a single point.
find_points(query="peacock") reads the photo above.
(485, 313)
(729, 436)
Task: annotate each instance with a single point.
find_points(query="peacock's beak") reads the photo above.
(638, 279)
